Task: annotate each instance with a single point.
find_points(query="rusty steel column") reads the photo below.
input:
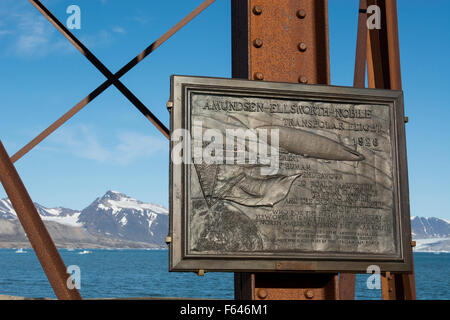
(285, 41)
(347, 281)
(35, 229)
(383, 66)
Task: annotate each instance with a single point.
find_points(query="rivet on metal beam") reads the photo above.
(413, 244)
(257, 10)
(257, 43)
(301, 14)
(309, 294)
(406, 119)
(303, 79)
(302, 46)
(258, 76)
(168, 239)
(169, 105)
(262, 293)
(201, 273)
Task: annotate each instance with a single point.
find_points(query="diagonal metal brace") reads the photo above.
(34, 227)
(95, 93)
(102, 68)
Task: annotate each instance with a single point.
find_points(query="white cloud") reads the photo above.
(140, 17)
(29, 34)
(123, 149)
(26, 33)
(133, 146)
(118, 29)
(101, 38)
(81, 141)
(5, 32)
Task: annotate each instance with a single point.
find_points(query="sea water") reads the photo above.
(144, 273)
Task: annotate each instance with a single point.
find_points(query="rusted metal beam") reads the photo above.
(383, 65)
(377, 56)
(91, 96)
(347, 281)
(295, 286)
(388, 286)
(283, 41)
(359, 79)
(35, 229)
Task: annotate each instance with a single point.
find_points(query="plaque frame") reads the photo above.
(181, 260)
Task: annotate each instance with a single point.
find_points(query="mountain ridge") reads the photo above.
(113, 220)
(118, 220)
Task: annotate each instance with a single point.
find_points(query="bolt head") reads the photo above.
(302, 46)
(258, 76)
(303, 79)
(262, 293)
(301, 14)
(257, 43)
(257, 10)
(309, 294)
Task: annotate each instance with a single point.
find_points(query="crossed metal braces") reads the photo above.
(32, 223)
(112, 79)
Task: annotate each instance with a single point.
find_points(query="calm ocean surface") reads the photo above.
(138, 273)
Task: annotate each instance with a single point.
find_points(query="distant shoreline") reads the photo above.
(24, 245)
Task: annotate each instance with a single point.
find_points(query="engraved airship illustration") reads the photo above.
(302, 142)
(243, 184)
(313, 145)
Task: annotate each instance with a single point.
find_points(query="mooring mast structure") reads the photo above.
(272, 40)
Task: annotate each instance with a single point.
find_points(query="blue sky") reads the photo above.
(110, 145)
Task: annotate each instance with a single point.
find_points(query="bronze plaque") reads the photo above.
(274, 176)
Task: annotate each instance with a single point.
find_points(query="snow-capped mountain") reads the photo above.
(116, 219)
(115, 216)
(120, 216)
(61, 215)
(431, 234)
(424, 228)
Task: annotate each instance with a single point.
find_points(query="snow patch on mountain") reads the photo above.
(6, 210)
(66, 220)
(60, 215)
(432, 245)
(116, 201)
(130, 203)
